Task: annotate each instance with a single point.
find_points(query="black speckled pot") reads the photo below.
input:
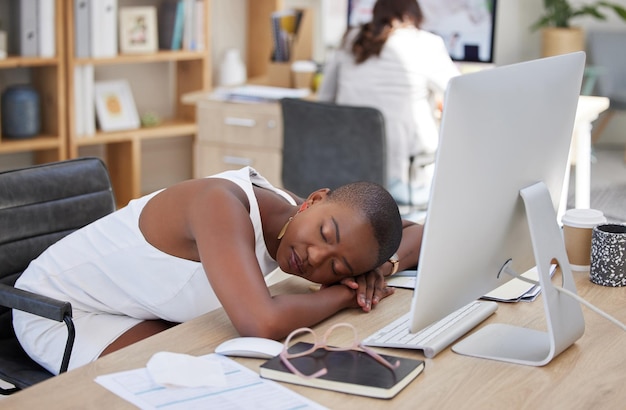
(608, 255)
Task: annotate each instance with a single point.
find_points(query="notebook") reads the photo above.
(349, 371)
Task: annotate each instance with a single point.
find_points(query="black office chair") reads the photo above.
(328, 145)
(38, 206)
(607, 52)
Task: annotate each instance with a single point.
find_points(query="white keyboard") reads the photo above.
(435, 337)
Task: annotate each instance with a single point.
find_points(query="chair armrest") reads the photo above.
(35, 304)
(42, 306)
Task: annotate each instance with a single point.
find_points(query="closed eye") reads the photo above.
(337, 236)
(338, 240)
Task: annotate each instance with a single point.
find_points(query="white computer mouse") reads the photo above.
(257, 347)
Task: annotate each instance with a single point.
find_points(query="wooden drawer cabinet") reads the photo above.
(234, 135)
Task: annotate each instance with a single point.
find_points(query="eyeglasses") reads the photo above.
(356, 345)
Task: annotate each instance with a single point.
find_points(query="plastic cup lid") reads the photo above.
(304, 66)
(583, 218)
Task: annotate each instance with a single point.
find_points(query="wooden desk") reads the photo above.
(590, 374)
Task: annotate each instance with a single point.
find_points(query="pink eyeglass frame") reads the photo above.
(356, 345)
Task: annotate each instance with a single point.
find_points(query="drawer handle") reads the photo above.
(240, 122)
(242, 161)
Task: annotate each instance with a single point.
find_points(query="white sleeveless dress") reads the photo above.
(115, 279)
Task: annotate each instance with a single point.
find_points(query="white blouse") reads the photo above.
(400, 82)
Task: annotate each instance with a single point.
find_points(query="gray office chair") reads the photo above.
(607, 52)
(38, 206)
(328, 145)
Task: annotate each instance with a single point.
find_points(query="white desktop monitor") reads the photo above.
(502, 130)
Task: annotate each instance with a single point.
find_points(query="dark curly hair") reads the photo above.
(380, 209)
(373, 35)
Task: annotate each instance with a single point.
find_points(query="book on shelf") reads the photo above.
(95, 28)
(181, 25)
(286, 29)
(82, 31)
(188, 24)
(46, 28)
(177, 36)
(84, 104)
(348, 371)
(199, 27)
(193, 26)
(32, 28)
(26, 33)
(79, 102)
(283, 28)
(89, 98)
(167, 20)
(104, 24)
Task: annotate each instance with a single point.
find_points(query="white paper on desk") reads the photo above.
(512, 291)
(258, 93)
(245, 390)
(183, 370)
(269, 92)
(404, 279)
(516, 290)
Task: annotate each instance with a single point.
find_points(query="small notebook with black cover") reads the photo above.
(348, 371)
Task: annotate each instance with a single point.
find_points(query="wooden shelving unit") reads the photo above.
(123, 148)
(48, 78)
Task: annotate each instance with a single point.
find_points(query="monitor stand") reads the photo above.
(564, 318)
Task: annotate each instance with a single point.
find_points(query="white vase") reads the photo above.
(232, 69)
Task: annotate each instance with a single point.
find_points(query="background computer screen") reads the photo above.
(466, 26)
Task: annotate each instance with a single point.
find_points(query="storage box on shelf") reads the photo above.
(47, 76)
(122, 149)
(300, 48)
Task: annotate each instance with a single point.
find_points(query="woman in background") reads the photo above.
(393, 65)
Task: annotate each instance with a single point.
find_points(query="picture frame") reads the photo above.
(138, 30)
(115, 106)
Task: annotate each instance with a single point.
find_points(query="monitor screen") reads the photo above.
(503, 130)
(466, 26)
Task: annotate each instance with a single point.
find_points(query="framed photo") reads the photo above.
(138, 30)
(115, 107)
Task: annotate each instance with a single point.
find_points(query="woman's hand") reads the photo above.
(370, 288)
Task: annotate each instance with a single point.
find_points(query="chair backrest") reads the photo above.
(328, 145)
(41, 204)
(38, 206)
(607, 52)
